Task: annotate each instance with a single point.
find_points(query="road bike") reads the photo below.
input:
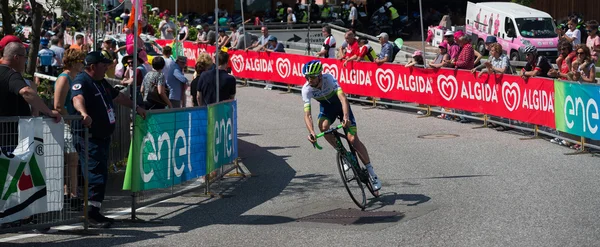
(352, 173)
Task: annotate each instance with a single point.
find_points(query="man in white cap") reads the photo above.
(453, 47)
(387, 51)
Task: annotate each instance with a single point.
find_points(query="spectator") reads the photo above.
(325, 12)
(573, 35)
(233, 37)
(223, 40)
(583, 69)
(273, 45)
(147, 28)
(45, 59)
(566, 51)
(108, 52)
(73, 65)
(48, 22)
(244, 39)
(262, 40)
(166, 28)
(328, 48)
(536, 65)
(203, 63)
(183, 31)
(488, 41)
(466, 56)
(442, 58)
(206, 36)
(78, 42)
(176, 81)
(453, 48)
(93, 98)
(417, 60)
(206, 94)
(223, 11)
(59, 51)
(593, 40)
(342, 50)
(387, 51)
(353, 17)
(291, 17)
(154, 87)
(315, 12)
(365, 52)
(352, 49)
(497, 63)
(15, 91)
(140, 72)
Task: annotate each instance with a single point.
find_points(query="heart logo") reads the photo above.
(511, 95)
(447, 86)
(331, 69)
(385, 79)
(283, 67)
(238, 62)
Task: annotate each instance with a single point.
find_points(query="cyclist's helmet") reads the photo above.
(313, 67)
(530, 49)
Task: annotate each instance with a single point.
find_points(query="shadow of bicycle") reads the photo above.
(393, 198)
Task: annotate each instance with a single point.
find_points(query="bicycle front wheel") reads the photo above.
(351, 180)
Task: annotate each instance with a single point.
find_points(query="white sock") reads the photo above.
(370, 169)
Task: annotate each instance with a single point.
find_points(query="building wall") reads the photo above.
(560, 9)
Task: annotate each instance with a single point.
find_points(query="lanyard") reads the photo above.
(103, 101)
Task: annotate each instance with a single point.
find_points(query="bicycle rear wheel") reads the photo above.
(352, 182)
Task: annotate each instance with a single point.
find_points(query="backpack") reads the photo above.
(395, 50)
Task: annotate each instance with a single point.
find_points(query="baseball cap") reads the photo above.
(182, 59)
(490, 39)
(9, 39)
(95, 57)
(444, 45)
(449, 33)
(272, 38)
(381, 35)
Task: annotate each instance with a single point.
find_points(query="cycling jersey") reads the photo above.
(327, 96)
(46, 57)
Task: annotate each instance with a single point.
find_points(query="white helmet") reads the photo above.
(388, 4)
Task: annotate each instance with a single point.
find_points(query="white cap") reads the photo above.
(449, 33)
(388, 4)
(381, 35)
(199, 27)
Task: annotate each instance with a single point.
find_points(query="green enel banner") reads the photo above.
(221, 140)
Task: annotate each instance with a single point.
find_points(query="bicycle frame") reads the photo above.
(340, 146)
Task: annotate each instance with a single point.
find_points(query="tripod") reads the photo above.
(308, 51)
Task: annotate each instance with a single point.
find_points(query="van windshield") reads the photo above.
(536, 27)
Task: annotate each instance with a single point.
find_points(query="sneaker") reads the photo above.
(556, 141)
(421, 112)
(376, 183)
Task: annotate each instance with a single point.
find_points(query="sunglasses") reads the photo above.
(311, 76)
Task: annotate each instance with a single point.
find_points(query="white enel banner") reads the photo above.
(31, 177)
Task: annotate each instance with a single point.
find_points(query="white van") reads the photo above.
(514, 26)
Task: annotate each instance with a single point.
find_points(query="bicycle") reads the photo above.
(349, 158)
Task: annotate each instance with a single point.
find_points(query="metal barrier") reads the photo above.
(65, 187)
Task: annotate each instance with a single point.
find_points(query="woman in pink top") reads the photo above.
(593, 40)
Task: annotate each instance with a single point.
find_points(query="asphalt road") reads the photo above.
(482, 188)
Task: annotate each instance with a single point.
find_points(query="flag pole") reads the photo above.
(218, 49)
(134, 92)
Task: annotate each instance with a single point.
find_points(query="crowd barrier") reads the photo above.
(175, 148)
(38, 162)
(569, 107)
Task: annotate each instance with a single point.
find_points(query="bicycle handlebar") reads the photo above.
(329, 131)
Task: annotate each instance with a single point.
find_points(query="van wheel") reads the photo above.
(514, 56)
(481, 47)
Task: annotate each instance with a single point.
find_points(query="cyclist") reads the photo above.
(333, 103)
